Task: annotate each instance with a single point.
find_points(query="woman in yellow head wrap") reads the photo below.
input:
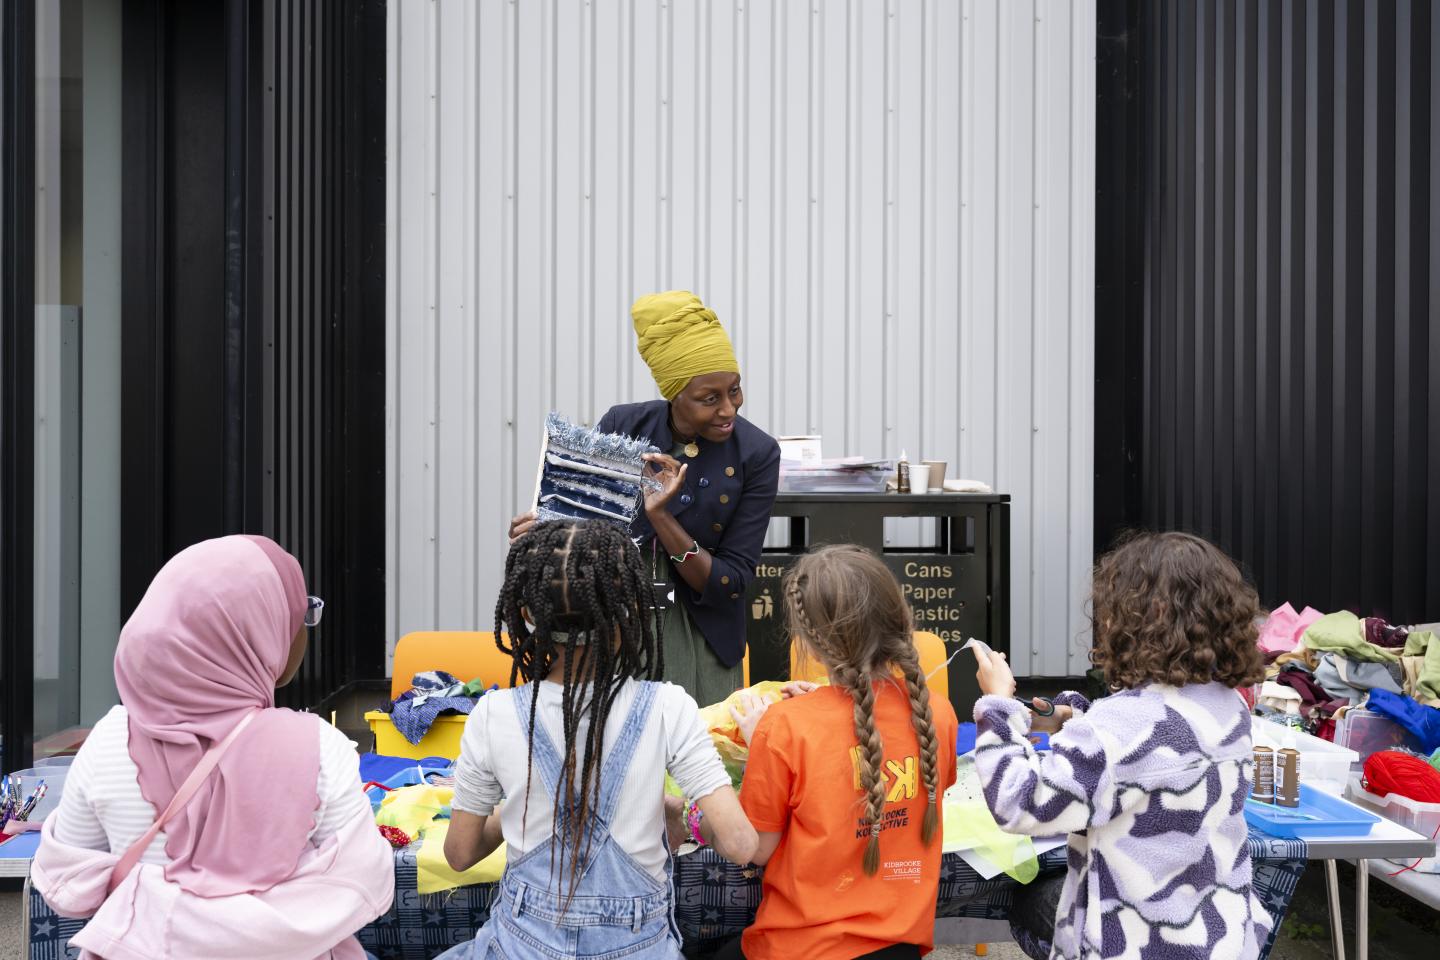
(703, 529)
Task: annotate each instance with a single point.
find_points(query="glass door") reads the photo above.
(77, 367)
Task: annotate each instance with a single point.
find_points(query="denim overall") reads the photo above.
(529, 917)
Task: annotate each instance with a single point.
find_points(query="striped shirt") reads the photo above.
(101, 807)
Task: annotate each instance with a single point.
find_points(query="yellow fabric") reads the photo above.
(433, 874)
(680, 339)
(413, 809)
(733, 750)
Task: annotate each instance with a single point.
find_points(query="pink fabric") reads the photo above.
(1282, 632)
(203, 649)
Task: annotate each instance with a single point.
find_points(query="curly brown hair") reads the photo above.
(1173, 608)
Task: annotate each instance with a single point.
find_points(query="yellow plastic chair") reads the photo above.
(464, 653)
(929, 645)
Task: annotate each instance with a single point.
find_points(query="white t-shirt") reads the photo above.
(493, 764)
(102, 807)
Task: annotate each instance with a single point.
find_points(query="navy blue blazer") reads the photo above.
(725, 506)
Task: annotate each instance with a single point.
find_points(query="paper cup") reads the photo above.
(919, 478)
(937, 475)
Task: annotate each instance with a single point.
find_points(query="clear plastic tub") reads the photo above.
(1323, 765)
(1366, 733)
(29, 779)
(1423, 818)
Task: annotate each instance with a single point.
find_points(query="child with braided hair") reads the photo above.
(583, 878)
(844, 782)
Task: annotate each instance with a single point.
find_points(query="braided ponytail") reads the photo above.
(924, 723)
(844, 606)
(871, 755)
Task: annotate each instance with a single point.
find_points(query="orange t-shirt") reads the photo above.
(803, 782)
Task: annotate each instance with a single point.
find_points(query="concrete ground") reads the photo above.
(11, 934)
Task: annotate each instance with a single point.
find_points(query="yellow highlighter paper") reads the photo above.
(970, 827)
(433, 874)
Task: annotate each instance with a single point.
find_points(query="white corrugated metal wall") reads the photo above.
(888, 202)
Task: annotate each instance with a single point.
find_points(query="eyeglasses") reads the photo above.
(314, 607)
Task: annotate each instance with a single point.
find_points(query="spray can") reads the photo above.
(1287, 777)
(1263, 787)
(902, 474)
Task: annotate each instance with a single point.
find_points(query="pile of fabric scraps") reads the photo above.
(1281, 632)
(422, 812)
(432, 693)
(725, 733)
(585, 474)
(1339, 661)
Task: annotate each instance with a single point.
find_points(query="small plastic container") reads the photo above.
(1319, 815)
(30, 778)
(1423, 818)
(1323, 765)
(1366, 733)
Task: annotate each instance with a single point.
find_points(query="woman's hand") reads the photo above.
(670, 474)
(521, 525)
(994, 674)
(747, 714)
(798, 688)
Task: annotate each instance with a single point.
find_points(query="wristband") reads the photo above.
(693, 816)
(693, 551)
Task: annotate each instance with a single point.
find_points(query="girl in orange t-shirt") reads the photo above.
(844, 783)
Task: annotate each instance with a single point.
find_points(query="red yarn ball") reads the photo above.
(1400, 773)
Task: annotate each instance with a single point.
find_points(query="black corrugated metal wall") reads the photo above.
(1290, 395)
(254, 301)
(324, 351)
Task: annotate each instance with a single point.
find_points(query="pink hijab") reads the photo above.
(204, 648)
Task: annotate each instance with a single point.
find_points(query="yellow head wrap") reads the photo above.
(680, 339)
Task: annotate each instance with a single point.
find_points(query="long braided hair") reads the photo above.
(584, 589)
(845, 607)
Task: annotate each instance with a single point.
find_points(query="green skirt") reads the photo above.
(691, 663)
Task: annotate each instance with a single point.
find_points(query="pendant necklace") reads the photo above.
(692, 448)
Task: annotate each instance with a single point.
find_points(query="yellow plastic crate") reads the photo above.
(443, 740)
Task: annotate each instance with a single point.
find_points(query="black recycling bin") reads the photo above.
(958, 588)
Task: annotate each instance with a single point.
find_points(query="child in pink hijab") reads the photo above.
(276, 854)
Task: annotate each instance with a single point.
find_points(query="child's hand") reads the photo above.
(676, 830)
(994, 675)
(796, 688)
(1052, 723)
(747, 714)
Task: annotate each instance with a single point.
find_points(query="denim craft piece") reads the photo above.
(587, 475)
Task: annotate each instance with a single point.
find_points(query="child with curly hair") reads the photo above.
(1150, 782)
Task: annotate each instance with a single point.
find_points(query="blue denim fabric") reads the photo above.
(618, 909)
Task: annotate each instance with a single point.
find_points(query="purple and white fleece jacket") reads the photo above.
(1150, 784)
